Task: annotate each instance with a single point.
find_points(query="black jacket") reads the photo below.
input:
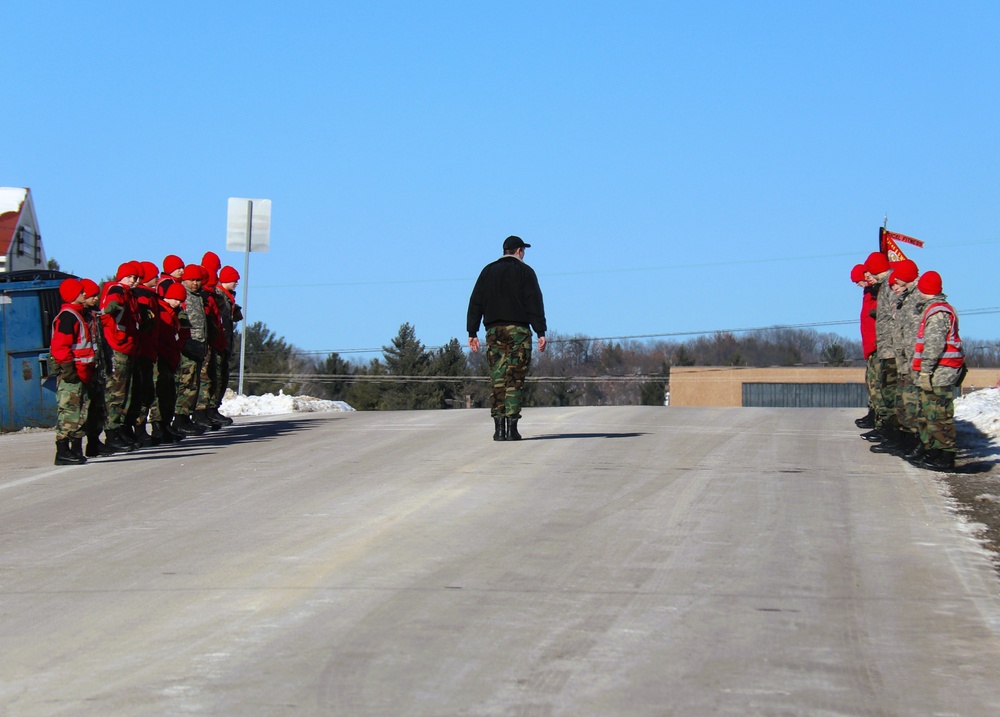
(506, 292)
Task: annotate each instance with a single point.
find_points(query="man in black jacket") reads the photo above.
(508, 300)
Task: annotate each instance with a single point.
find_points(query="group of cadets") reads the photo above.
(915, 361)
(150, 350)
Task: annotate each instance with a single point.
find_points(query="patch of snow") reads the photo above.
(977, 421)
(271, 405)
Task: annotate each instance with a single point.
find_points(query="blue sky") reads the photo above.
(677, 167)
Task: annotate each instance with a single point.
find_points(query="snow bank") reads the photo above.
(981, 409)
(271, 405)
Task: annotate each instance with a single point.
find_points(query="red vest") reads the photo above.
(77, 347)
(954, 355)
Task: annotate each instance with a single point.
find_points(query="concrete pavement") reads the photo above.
(620, 561)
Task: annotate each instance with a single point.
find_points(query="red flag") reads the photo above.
(888, 244)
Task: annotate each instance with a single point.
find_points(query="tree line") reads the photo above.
(574, 370)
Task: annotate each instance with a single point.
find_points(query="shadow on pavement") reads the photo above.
(557, 436)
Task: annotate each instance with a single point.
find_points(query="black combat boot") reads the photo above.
(938, 459)
(200, 418)
(65, 455)
(117, 442)
(142, 439)
(213, 413)
(866, 421)
(876, 435)
(512, 434)
(915, 454)
(76, 446)
(168, 430)
(500, 428)
(184, 425)
(95, 448)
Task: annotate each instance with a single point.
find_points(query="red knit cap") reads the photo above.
(90, 288)
(211, 261)
(176, 291)
(904, 272)
(149, 271)
(129, 268)
(193, 272)
(228, 274)
(876, 263)
(171, 263)
(70, 290)
(930, 283)
(210, 278)
(858, 273)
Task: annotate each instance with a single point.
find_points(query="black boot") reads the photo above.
(76, 446)
(168, 430)
(65, 455)
(938, 459)
(156, 435)
(500, 428)
(512, 434)
(142, 439)
(200, 418)
(907, 442)
(891, 442)
(116, 441)
(916, 454)
(214, 414)
(876, 435)
(184, 425)
(866, 421)
(95, 448)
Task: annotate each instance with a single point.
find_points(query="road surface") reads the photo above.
(619, 561)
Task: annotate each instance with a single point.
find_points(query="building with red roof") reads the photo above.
(20, 241)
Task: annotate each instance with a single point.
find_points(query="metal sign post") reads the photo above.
(247, 230)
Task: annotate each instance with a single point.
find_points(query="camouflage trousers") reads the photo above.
(871, 379)
(187, 379)
(117, 386)
(885, 395)
(508, 351)
(72, 400)
(208, 381)
(937, 418)
(908, 402)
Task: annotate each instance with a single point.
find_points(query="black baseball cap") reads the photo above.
(513, 242)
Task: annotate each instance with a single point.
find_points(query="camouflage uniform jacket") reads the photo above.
(884, 320)
(909, 312)
(195, 310)
(935, 333)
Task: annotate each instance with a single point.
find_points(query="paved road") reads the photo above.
(624, 561)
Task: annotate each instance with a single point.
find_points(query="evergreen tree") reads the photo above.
(407, 357)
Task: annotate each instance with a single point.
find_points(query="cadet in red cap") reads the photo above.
(193, 322)
(206, 407)
(143, 389)
(884, 396)
(72, 352)
(869, 300)
(96, 412)
(902, 437)
(170, 338)
(939, 365)
(120, 321)
(231, 314)
(173, 269)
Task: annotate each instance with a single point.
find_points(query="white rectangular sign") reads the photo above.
(260, 227)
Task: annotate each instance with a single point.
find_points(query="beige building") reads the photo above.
(724, 385)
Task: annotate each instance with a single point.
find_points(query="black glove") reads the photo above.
(194, 350)
(67, 372)
(237, 313)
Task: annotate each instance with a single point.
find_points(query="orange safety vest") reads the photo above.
(954, 355)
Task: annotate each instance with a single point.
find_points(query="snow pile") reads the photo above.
(271, 405)
(982, 410)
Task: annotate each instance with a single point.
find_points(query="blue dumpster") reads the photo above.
(29, 301)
